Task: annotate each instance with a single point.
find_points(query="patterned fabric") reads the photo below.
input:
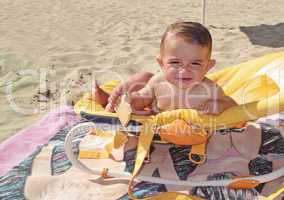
(59, 160)
(272, 140)
(12, 184)
(260, 166)
(145, 189)
(182, 164)
(129, 158)
(27, 140)
(224, 193)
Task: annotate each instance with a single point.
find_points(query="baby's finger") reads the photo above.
(216, 112)
(203, 109)
(202, 112)
(213, 110)
(94, 88)
(115, 96)
(207, 109)
(118, 91)
(142, 112)
(109, 108)
(111, 98)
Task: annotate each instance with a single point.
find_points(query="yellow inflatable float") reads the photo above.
(257, 86)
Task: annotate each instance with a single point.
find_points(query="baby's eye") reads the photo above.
(174, 62)
(196, 64)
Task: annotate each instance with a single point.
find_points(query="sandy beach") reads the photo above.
(50, 51)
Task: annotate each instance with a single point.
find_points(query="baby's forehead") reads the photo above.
(172, 41)
(172, 38)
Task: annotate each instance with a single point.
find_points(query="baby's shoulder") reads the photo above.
(210, 86)
(210, 83)
(157, 79)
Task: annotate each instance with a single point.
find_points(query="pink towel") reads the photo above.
(18, 147)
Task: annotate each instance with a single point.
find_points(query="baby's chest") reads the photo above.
(169, 98)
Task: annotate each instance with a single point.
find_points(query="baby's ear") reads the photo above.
(159, 60)
(211, 64)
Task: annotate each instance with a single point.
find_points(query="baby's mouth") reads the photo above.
(185, 79)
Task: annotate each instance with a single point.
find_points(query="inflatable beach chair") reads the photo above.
(257, 86)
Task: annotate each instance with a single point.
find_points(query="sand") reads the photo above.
(51, 50)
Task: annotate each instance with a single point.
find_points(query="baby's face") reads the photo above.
(184, 64)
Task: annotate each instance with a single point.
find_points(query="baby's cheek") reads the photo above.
(171, 74)
(172, 71)
(199, 76)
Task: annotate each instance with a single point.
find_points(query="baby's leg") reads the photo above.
(100, 95)
(218, 146)
(258, 139)
(247, 143)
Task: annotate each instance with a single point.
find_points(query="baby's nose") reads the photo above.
(184, 73)
(184, 70)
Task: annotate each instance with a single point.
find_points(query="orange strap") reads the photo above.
(197, 153)
(104, 173)
(248, 183)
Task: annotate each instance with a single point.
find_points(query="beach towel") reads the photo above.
(48, 174)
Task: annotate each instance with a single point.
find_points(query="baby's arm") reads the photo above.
(223, 103)
(134, 83)
(218, 102)
(142, 99)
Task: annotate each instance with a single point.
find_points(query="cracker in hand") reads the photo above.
(124, 111)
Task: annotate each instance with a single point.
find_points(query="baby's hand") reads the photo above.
(211, 107)
(114, 98)
(136, 102)
(134, 99)
(134, 83)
